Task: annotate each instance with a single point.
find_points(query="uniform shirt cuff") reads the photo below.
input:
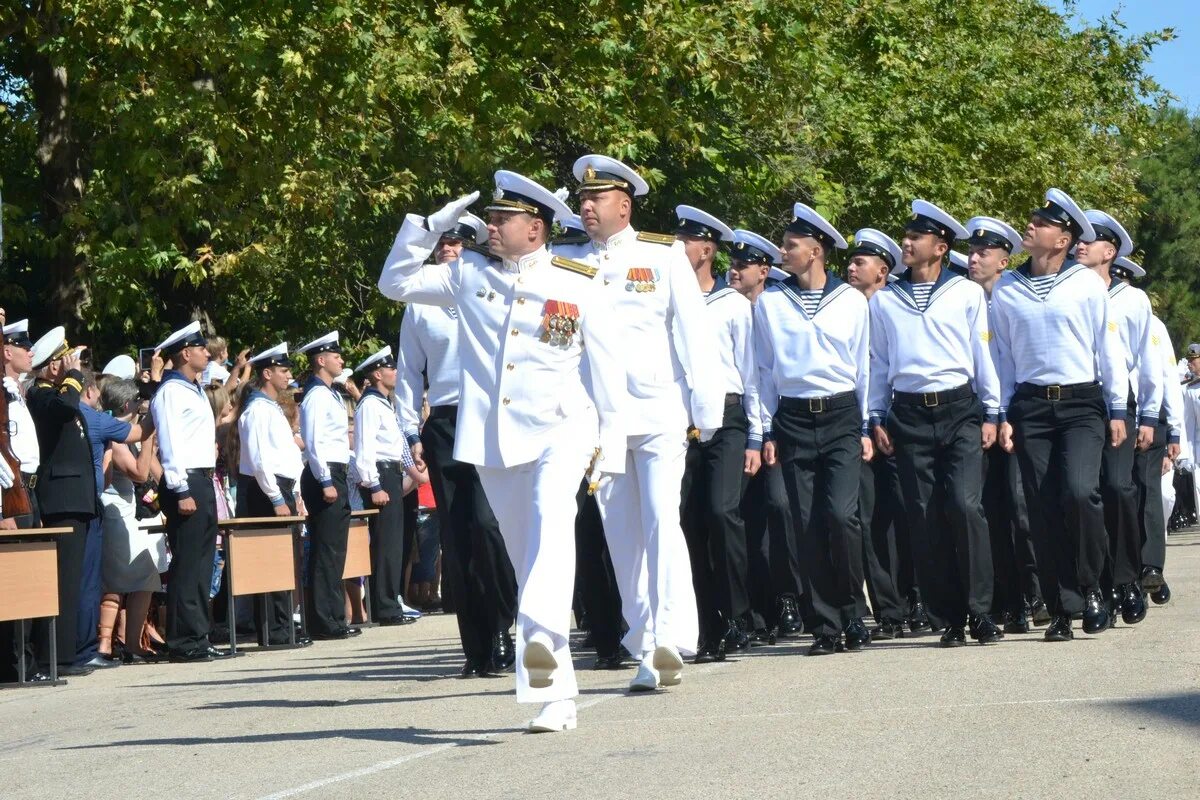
(375, 487)
(991, 417)
(412, 438)
(768, 436)
(277, 501)
(1002, 416)
(1116, 414)
(875, 419)
(754, 442)
(1149, 421)
(182, 493)
(866, 427)
(1172, 438)
(328, 482)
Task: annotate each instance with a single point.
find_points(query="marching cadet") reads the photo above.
(383, 461)
(187, 449)
(325, 429)
(533, 408)
(773, 567)
(874, 260)
(476, 572)
(717, 469)
(269, 467)
(993, 243)
(672, 382)
(1060, 366)
(931, 369)
(811, 339)
(1129, 309)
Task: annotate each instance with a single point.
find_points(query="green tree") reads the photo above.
(248, 161)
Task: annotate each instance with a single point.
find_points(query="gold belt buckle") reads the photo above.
(816, 405)
(930, 399)
(1054, 393)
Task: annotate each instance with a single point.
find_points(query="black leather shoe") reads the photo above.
(190, 656)
(148, 657)
(102, 662)
(216, 654)
(352, 631)
(1152, 579)
(705, 655)
(789, 616)
(888, 630)
(984, 631)
(73, 671)
(341, 633)
(1133, 604)
(504, 655)
(761, 637)
(1016, 622)
(1096, 616)
(918, 620)
(1162, 595)
(953, 637)
(1060, 629)
(1115, 598)
(857, 636)
(1038, 613)
(618, 660)
(469, 669)
(387, 622)
(824, 646)
(736, 638)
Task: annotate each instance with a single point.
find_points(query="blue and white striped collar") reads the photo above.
(903, 287)
(834, 286)
(179, 377)
(720, 289)
(315, 382)
(1022, 275)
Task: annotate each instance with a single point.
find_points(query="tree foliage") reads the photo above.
(248, 161)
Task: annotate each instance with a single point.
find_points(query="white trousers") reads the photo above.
(640, 510)
(535, 506)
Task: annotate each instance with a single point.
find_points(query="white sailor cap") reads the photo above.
(874, 242)
(187, 336)
(894, 275)
(748, 246)
(382, 358)
(928, 218)
(344, 377)
(597, 173)
(51, 347)
(1133, 269)
(1109, 230)
(515, 192)
(571, 223)
(277, 356)
(808, 222)
(958, 261)
(992, 232)
(1063, 211)
(701, 225)
(121, 366)
(329, 343)
(777, 274)
(18, 333)
(469, 228)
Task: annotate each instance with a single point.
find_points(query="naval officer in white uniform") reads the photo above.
(540, 397)
(666, 344)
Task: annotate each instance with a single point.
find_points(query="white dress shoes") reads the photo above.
(540, 665)
(555, 716)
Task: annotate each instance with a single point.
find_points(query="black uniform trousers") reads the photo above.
(1059, 445)
(193, 542)
(474, 560)
(389, 548)
(772, 567)
(1147, 472)
(595, 580)
(710, 515)
(1008, 596)
(940, 461)
(1119, 494)
(328, 528)
(273, 606)
(819, 443)
(880, 515)
(11, 653)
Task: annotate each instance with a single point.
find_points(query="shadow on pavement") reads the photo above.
(1175, 708)
(417, 736)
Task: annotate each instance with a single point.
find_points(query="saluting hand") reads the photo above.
(1117, 432)
(446, 217)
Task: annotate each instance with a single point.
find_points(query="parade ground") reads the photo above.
(383, 715)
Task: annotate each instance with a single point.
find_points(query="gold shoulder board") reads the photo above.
(571, 265)
(656, 238)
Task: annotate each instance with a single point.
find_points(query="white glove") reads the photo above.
(706, 434)
(447, 217)
(6, 475)
(1184, 464)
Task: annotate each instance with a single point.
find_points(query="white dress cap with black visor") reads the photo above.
(992, 232)
(807, 222)
(1107, 229)
(751, 248)
(597, 173)
(1062, 210)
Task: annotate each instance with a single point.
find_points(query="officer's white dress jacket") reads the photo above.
(671, 378)
(518, 392)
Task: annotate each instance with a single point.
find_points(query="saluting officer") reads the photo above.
(269, 467)
(382, 460)
(325, 429)
(717, 469)
(476, 571)
(534, 404)
(811, 339)
(931, 369)
(874, 260)
(993, 243)
(773, 566)
(1063, 386)
(1129, 309)
(666, 343)
(188, 452)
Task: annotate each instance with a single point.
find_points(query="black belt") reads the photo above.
(205, 472)
(817, 405)
(733, 399)
(29, 480)
(931, 399)
(287, 484)
(443, 412)
(1055, 392)
(396, 465)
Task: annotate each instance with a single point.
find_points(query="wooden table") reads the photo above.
(29, 588)
(261, 553)
(358, 555)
